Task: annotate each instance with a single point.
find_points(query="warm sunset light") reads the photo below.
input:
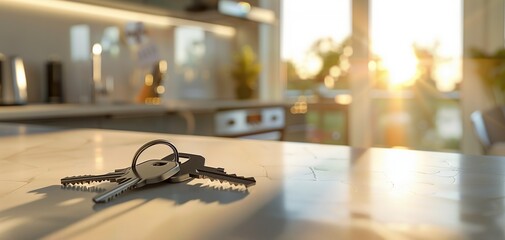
(308, 66)
(421, 25)
(401, 173)
(260, 119)
(390, 40)
(401, 65)
(344, 99)
(307, 14)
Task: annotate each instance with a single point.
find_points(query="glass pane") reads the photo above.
(309, 52)
(315, 52)
(417, 72)
(190, 62)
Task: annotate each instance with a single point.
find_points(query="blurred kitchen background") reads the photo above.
(365, 73)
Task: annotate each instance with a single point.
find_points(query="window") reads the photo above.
(306, 49)
(190, 62)
(314, 52)
(417, 66)
(416, 55)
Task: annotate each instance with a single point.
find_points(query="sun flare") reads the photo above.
(401, 65)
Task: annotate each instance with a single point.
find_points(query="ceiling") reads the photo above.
(198, 10)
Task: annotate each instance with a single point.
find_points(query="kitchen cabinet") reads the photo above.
(225, 118)
(130, 117)
(81, 122)
(160, 123)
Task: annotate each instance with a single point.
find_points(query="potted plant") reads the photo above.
(245, 72)
(491, 67)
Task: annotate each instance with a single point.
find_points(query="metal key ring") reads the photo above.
(148, 145)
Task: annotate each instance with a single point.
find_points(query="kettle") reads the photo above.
(13, 84)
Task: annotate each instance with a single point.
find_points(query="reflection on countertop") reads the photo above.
(303, 191)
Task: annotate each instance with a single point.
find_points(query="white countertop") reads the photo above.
(303, 191)
(42, 111)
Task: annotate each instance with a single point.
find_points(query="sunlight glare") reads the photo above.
(448, 75)
(348, 51)
(329, 82)
(343, 99)
(400, 171)
(402, 66)
(372, 66)
(309, 66)
(345, 65)
(335, 71)
(393, 39)
(302, 16)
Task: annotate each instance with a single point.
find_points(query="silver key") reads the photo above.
(148, 172)
(111, 177)
(195, 167)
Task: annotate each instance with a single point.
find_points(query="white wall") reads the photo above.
(38, 34)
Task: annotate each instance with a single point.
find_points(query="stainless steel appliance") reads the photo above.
(13, 81)
(266, 123)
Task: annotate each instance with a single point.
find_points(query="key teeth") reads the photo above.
(230, 182)
(233, 186)
(64, 183)
(88, 179)
(83, 188)
(241, 181)
(118, 194)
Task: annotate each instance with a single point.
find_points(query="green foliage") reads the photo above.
(294, 81)
(492, 69)
(331, 55)
(291, 71)
(246, 67)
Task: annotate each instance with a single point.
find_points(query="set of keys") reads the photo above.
(168, 169)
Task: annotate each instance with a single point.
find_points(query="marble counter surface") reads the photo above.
(303, 191)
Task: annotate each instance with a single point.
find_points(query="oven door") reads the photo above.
(266, 123)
